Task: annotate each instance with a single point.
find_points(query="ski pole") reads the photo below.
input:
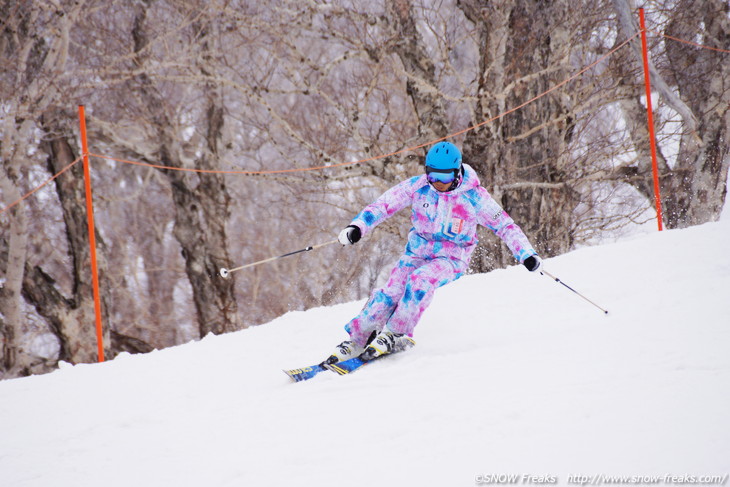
(226, 272)
(543, 271)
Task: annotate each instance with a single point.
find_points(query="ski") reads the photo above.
(350, 366)
(306, 373)
(343, 368)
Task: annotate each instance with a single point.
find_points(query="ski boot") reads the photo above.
(344, 351)
(386, 342)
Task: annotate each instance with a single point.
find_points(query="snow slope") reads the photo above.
(512, 375)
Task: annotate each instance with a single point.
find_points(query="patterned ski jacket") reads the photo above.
(445, 224)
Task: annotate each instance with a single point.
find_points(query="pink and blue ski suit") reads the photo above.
(439, 248)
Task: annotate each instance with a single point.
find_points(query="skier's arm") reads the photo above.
(491, 215)
(389, 203)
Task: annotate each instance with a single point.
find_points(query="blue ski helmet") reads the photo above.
(443, 165)
(444, 155)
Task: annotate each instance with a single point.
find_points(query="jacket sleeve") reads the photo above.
(389, 203)
(491, 215)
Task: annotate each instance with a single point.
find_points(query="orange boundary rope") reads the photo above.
(341, 164)
(383, 156)
(690, 42)
(26, 196)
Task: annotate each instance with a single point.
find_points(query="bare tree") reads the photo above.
(238, 86)
(33, 107)
(526, 156)
(694, 98)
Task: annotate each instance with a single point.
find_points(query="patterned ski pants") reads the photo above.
(405, 297)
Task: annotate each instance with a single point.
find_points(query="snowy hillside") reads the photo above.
(512, 375)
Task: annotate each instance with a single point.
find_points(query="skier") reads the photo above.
(447, 203)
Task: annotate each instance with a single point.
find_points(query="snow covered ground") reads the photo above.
(513, 375)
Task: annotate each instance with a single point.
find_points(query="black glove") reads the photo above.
(349, 235)
(532, 263)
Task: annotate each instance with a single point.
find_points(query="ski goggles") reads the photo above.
(445, 176)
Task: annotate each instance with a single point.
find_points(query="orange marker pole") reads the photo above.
(650, 117)
(92, 234)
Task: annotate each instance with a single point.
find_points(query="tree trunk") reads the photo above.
(695, 190)
(73, 318)
(421, 84)
(201, 200)
(693, 187)
(160, 289)
(523, 157)
(12, 261)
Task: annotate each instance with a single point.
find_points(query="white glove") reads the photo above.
(349, 235)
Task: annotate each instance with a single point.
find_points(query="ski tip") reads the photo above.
(306, 373)
(298, 375)
(289, 374)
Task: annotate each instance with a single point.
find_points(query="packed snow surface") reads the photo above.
(515, 379)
